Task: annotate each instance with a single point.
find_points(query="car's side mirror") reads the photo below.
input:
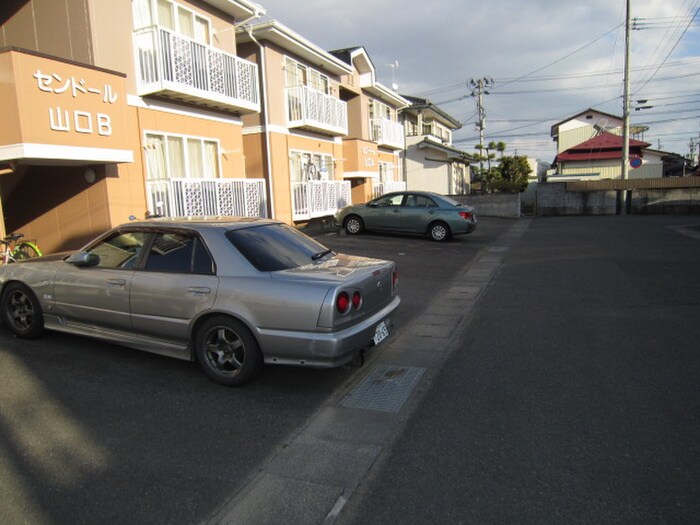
(83, 259)
(372, 204)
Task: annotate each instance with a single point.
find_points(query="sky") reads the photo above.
(548, 59)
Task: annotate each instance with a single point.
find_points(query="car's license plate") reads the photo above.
(381, 333)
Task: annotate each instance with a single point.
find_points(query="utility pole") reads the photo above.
(479, 88)
(626, 109)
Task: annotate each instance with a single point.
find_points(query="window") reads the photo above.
(307, 166)
(297, 74)
(386, 172)
(275, 247)
(178, 253)
(179, 157)
(380, 110)
(173, 17)
(388, 200)
(120, 250)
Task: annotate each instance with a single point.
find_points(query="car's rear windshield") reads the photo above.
(451, 201)
(275, 247)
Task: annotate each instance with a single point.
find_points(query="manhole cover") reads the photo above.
(386, 388)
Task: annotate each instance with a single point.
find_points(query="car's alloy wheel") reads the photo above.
(227, 351)
(22, 311)
(439, 231)
(353, 225)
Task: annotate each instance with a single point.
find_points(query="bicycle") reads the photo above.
(13, 252)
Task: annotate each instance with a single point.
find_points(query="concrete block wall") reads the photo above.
(504, 205)
(554, 200)
(666, 202)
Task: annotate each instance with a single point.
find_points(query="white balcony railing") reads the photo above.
(388, 133)
(207, 197)
(380, 188)
(319, 198)
(309, 108)
(173, 65)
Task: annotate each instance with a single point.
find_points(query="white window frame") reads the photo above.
(306, 76)
(146, 13)
(323, 166)
(185, 139)
(378, 109)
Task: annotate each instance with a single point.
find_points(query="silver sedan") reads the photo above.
(231, 294)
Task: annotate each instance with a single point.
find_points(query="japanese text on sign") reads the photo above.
(80, 121)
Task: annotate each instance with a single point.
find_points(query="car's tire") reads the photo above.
(227, 351)
(354, 225)
(439, 231)
(21, 311)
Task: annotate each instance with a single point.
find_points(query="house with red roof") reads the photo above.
(601, 158)
(590, 146)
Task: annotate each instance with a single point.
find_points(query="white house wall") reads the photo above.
(426, 175)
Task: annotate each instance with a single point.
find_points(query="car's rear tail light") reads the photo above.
(395, 278)
(356, 300)
(465, 215)
(342, 303)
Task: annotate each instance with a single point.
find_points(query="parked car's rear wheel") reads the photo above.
(227, 351)
(354, 225)
(22, 312)
(439, 231)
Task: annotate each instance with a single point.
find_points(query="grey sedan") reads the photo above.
(416, 212)
(231, 294)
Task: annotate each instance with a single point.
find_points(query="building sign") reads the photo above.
(76, 120)
(369, 156)
(65, 111)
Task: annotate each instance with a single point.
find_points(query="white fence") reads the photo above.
(386, 132)
(319, 198)
(380, 188)
(308, 107)
(207, 197)
(167, 61)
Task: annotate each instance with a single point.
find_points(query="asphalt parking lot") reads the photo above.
(542, 371)
(96, 432)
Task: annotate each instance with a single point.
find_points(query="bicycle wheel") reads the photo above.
(26, 250)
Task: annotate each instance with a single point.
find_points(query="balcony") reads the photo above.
(314, 110)
(381, 188)
(207, 197)
(319, 198)
(388, 133)
(177, 67)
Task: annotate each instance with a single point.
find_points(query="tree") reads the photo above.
(513, 172)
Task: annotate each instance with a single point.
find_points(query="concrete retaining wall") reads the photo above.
(554, 200)
(505, 205)
(666, 202)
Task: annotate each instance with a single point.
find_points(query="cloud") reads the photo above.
(551, 59)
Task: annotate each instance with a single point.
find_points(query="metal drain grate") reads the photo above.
(385, 389)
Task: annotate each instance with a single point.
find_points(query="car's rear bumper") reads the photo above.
(325, 350)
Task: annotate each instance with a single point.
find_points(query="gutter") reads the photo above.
(266, 129)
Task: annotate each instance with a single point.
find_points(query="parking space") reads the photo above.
(91, 431)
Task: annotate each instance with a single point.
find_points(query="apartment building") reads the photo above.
(121, 108)
(375, 142)
(295, 142)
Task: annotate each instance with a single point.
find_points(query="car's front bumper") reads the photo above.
(320, 349)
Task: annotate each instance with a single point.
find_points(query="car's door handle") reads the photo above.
(116, 283)
(199, 290)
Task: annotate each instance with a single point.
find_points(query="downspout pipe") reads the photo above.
(266, 132)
